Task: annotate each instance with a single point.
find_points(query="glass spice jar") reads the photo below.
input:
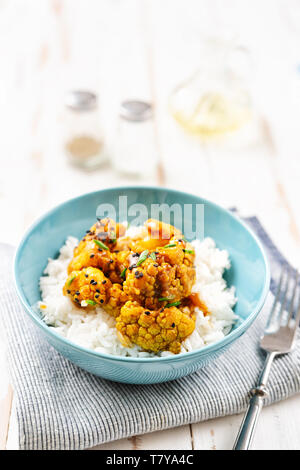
(134, 153)
(84, 139)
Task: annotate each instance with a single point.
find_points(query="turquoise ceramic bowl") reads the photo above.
(249, 274)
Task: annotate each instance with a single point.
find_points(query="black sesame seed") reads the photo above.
(138, 274)
(173, 324)
(69, 292)
(87, 231)
(104, 282)
(92, 281)
(86, 275)
(155, 265)
(96, 296)
(77, 293)
(156, 252)
(97, 290)
(92, 255)
(147, 312)
(111, 261)
(100, 249)
(101, 301)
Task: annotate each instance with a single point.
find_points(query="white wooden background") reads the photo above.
(142, 49)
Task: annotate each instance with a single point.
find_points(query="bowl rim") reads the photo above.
(234, 334)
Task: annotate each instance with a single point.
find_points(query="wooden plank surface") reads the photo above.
(143, 49)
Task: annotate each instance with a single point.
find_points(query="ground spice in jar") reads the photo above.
(84, 141)
(84, 146)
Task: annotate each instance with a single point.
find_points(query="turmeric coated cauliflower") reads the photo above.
(107, 231)
(116, 299)
(157, 279)
(144, 281)
(87, 287)
(111, 263)
(154, 330)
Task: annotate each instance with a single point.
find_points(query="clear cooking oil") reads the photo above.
(214, 101)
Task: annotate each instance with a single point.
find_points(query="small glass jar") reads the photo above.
(84, 139)
(134, 149)
(215, 100)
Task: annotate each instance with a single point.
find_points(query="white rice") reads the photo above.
(95, 329)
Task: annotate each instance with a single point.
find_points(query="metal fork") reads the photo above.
(279, 338)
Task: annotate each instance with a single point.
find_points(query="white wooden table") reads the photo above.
(142, 49)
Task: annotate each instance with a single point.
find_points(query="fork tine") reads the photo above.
(273, 309)
(297, 320)
(291, 308)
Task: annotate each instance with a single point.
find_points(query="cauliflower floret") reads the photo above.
(105, 230)
(91, 254)
(155, 279)
(154, 330)
(90, 287)
(87, 287)
(140, 283)
(116, 299)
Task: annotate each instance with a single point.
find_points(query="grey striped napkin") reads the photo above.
(60, 406)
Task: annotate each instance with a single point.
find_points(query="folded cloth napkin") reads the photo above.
(60, 406)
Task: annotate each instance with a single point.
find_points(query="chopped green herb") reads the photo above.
(90, 302)
(123, 273)
(173, 304)
(170, 245)
(101, 245)
(152, 256)
(165, 299)
(189, 251)
(143, 257)
(71, 280)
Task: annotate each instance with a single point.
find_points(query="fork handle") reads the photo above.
(248, 426)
